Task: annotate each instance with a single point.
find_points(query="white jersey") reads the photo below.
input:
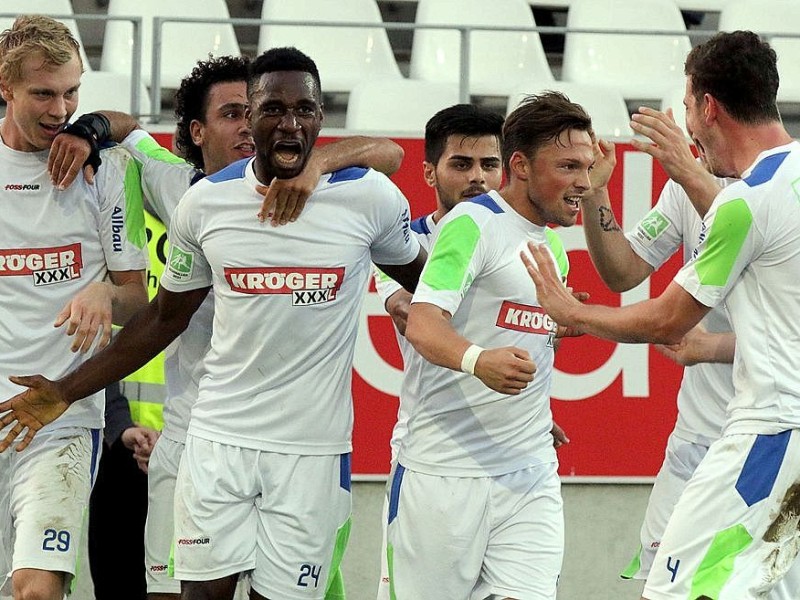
(460, 427)
(165, 179)
(749, 258)
(287, 301)
(706, 388)
(54, 244)
(385, 286)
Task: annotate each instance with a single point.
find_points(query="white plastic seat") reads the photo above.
(771, 16)
(606, 106)
(640, 66)
(43, 7)
(674, 99)
(397, 105)
(183, 43)
(101, 90)
(344, 55)
(498, 59)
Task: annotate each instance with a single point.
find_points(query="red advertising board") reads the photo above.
(615, 401)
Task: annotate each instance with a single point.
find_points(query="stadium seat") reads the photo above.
(183, 43)
(639, 66)
(771, 16)
(674, 99)
(43, 7)
(344, 55)
(397, 105)
(498, 59)
(606, 106)
(101, 90)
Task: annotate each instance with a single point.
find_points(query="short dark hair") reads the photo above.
(465, 120)
(282, 59)
(538, 119)
(191, 99)
(740, 70)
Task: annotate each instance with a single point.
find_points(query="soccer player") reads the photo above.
(732, 533)
(274, 413)
(70, 258)
(475, 505)
(462, 161)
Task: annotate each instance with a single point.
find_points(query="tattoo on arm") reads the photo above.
(607, 220)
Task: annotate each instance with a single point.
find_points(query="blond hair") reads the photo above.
(32, 35)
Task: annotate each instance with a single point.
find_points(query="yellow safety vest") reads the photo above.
(145, 389)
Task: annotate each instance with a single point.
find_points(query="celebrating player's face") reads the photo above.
(701, 135)
(468, 167)
(40, 103)
(559, 176)
(286, 119)
(224, 135)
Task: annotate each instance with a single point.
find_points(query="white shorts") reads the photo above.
(44, 501)
(461, 537)
(281, 516)
(680, 461)
(734, 531)
(158, 531)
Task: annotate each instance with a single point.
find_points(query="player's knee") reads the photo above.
(34, 584)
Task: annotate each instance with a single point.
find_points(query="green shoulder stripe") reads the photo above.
(134, 205)
(451, 255)
(725, 240)
(156, 151)
(557, 247)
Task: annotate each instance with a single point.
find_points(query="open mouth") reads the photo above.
(245, 148)
(51, 130)
(287, 154)
(573, 201)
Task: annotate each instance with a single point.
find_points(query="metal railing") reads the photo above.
(464, 31)
(136, 48)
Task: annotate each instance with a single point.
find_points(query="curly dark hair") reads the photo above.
(191, 99)
(740, 70)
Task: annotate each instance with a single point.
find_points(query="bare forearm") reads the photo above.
(121, 124)
(144, 336)
(381, 154)
(127, 299)
(702, 188)
(662, 320)
(431, 334)
(617, 264)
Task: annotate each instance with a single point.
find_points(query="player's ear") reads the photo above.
(6, 92)
(519, 166)
(196, 130)
(429, 173)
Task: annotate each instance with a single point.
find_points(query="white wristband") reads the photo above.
(470, 357)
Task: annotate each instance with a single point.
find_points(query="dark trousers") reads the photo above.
(117, 514)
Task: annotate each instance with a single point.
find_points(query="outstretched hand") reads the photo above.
(553, 296)
(30, 410)
(669, 146)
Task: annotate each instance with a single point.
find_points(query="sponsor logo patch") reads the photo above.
(651, 227)
(180, 263)
(522, 317)
(307, 286)
(45, 265)
(117, 225)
